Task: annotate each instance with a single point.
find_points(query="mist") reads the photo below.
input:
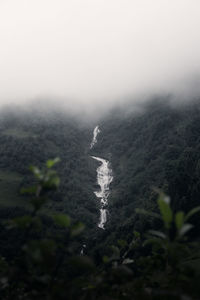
(89, 55)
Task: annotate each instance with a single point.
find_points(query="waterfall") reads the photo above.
(95, 133)
(104, 179)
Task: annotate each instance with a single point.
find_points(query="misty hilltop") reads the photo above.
(95, 54)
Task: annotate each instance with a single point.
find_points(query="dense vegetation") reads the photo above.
(47, 262)
(28, 137)
(157, 147)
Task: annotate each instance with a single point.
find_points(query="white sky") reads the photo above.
(94, 51)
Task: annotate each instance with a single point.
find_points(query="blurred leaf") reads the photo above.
(127, 261)
(185, 228)
(4, 282)
(77, 229)
(38, 202)
(62, 220)
(147, 213)
(192, 212)
(136, 234)
(52, 182)
(105, 259)
(40, 251)
(153, 241)
(22, 222)
(122, 243)
(30, 190)
(158, 234)
(51, 162)
(179, 219)
(36, 171)
(165, 210)
(116, 253)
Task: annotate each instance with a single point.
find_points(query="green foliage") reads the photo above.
(41, 245)
(47, 178)
(169, 218)
(51, 162)
(62, 220)
(77, 229)
(43, 252)
(179, 219)
(172, 256)
(49, 261)
(165, 210)
(159, 146)
(192, 212)
(35, 137)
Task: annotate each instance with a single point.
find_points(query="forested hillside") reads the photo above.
(155, 147)
(30, 138)
(158, 147)
(46, 253)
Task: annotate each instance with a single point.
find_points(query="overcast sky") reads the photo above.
(96, 51)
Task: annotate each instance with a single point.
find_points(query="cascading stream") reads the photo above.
(104, 179)
(95, 133)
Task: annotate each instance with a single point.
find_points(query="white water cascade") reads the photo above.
(95, 133)
(104, 179)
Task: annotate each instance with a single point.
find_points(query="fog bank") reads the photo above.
(87, 55)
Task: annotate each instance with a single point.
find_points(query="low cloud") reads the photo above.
(88, 55)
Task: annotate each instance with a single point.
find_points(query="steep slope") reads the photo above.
(158, 147)
(31, 138)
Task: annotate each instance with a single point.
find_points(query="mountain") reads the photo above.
(31, 138)
(157, 147)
